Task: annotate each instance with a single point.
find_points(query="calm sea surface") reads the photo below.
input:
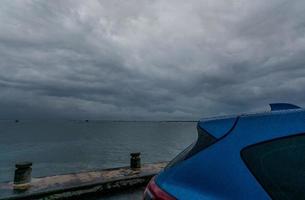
(57, 147)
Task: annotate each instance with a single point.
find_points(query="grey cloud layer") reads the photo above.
(149, 59)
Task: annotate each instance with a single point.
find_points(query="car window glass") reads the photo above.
(279, 166)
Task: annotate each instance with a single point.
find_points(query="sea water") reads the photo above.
(58, 147)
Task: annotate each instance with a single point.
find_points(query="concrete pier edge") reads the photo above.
(83, 184)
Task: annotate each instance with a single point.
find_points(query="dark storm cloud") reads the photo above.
(149, 59)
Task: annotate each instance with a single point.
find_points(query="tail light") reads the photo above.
(154, 192)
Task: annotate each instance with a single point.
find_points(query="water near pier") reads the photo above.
(57, 147)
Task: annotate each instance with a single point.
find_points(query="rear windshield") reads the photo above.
(279, 166)
(204, 140)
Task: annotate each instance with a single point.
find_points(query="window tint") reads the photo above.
(279, 166)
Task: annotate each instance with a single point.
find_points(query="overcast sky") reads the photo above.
(149, 59)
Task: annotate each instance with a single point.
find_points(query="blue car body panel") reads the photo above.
(218, 172)
(218, 127)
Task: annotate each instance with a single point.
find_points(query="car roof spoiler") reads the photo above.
(283, 106)
(221, 126)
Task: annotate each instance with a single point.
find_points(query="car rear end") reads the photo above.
(239, 157)
(217, 127)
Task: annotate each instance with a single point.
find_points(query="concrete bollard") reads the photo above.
(23, 173)
(135, 160)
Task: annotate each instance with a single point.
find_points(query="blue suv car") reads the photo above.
(252, 156)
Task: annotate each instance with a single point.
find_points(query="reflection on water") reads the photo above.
(57, 147)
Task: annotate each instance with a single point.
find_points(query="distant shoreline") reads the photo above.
(96, 120)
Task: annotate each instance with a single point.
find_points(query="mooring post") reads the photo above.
(135, 160)
(23, 173)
